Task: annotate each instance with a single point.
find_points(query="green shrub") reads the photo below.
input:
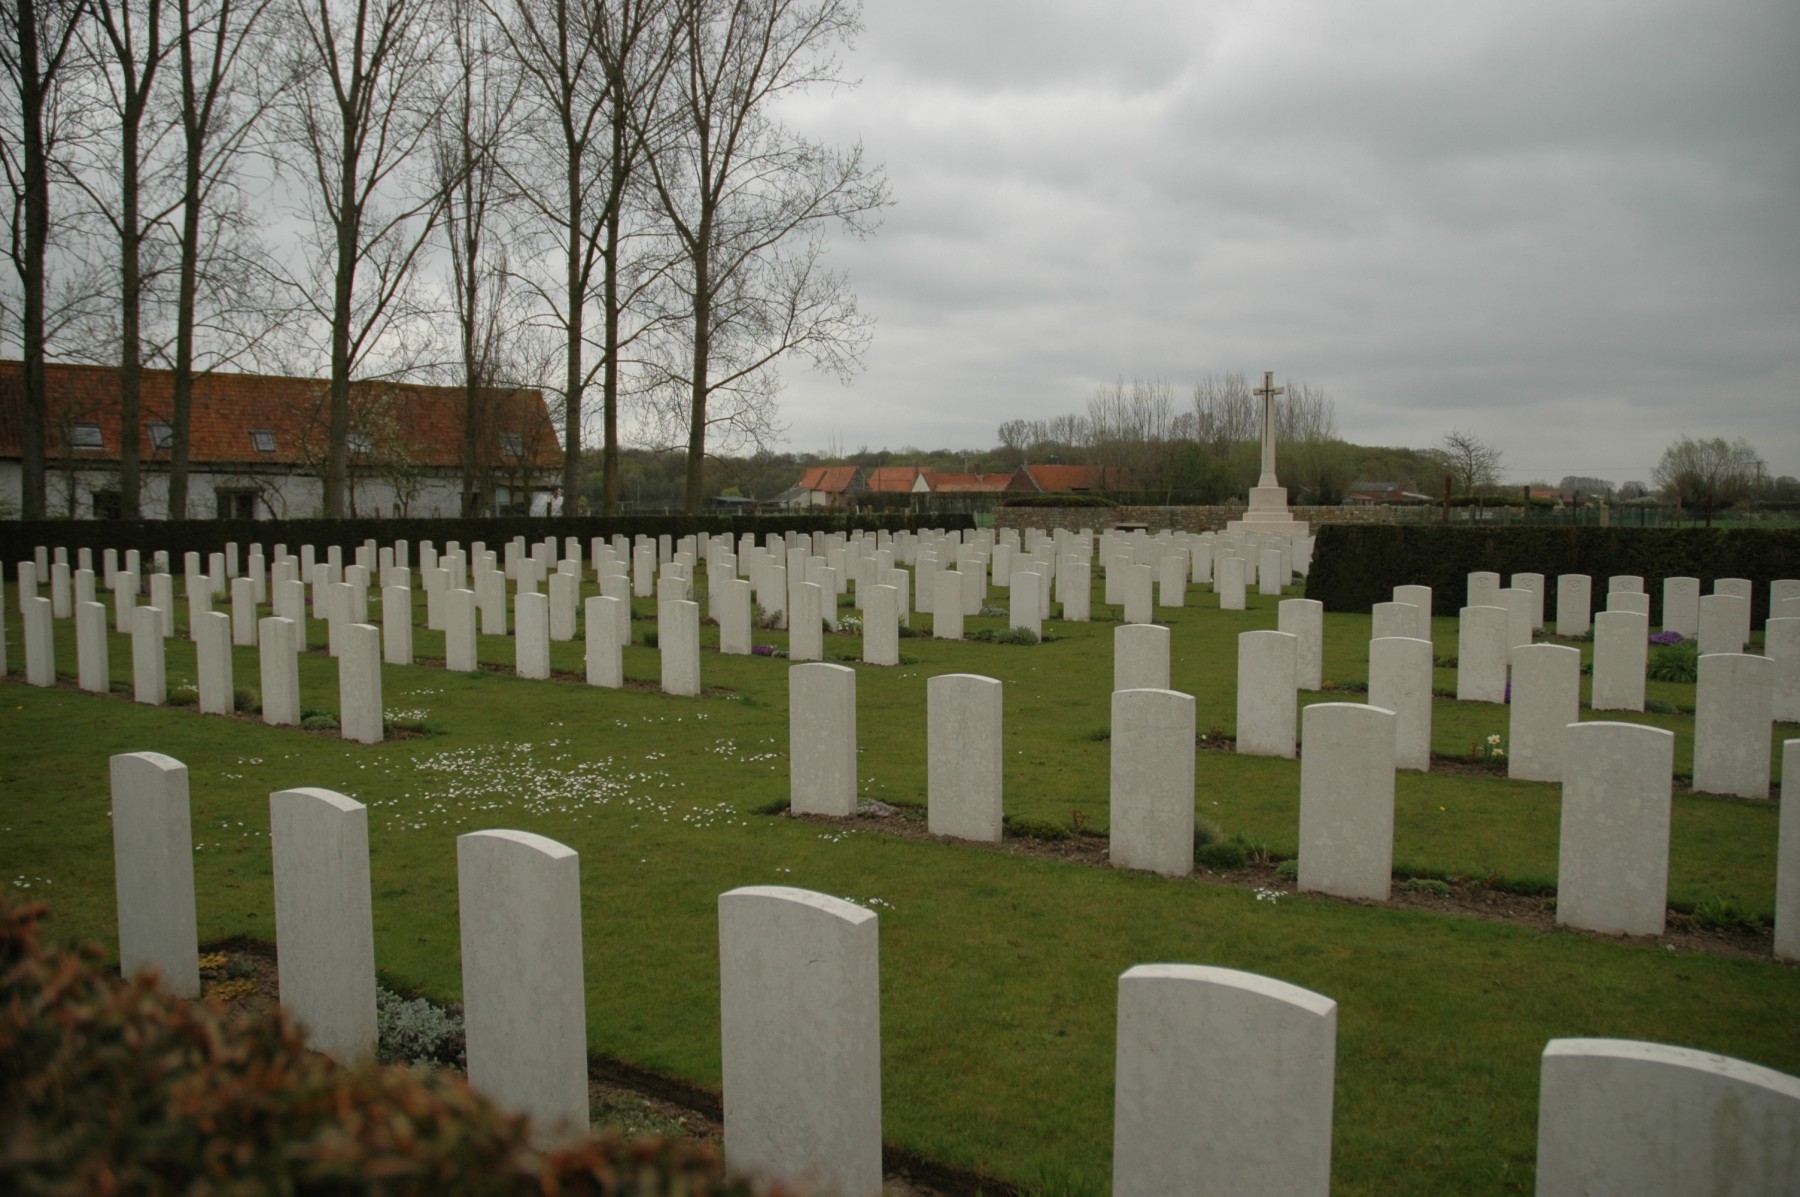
(318, 721)
(183, 694)
(1288, 870)
(117, 1086)
(1028, 828)
(1228, 854)
(1676, 662)
(413, 1031)
(1427, 885)
(1005, 636)
(1726, 914)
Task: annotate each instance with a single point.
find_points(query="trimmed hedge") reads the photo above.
(109, 1086)
(1358, 565)
(19, 539)
(1040, 500)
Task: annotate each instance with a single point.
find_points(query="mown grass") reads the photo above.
(998, 972)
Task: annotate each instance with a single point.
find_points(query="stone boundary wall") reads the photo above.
(1183, 519)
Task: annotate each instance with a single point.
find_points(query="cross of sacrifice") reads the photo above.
(1267, 393)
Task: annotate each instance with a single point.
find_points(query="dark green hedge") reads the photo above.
(1037, 500)
(1358, 565)
(18, 539)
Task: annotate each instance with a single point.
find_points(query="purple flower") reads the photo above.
(1666, 638)
(763, 650)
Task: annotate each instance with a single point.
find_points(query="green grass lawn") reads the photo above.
(999, 972)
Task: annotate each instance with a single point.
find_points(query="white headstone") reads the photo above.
(1420, 597)
(396, 625)
(1400, 681)
(1304, 619)
(1228, 580)
(946, 605)
(1724, 623)
(800, 1039)
(40, 641)
(605, 665)
(1781, 644)
(531, 636)
(1483, 589)
(1681, 606)
(94, 666)
(1026, 606)
(822, 739)
(212, 663)
(1135, 593)
(1517, 602)
(459, 631)
(153, 868)
(1347, 800)
(1223, 1084)
(524, 1005)
(1613, 853)
(806, 630)
(1393, 619)
(359, 684)
(1140, 657)
(1266, 693)
(1481, 652)
(149, 668)
(1621, 659)
(280, 673)
(678, 644)
(963, 729)
(881, 625)
(1732, 720)
(1624, 584)
(1546, 698)
(323, 920)
(1787, 857)
(1617, 1116)
(1574, 604)
(1152, 795)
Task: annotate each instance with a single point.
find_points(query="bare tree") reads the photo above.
(1707, 473)
(466, 153)
(218, 113)
(36, 54)
(359, 113)
(1469, 460)
(590, 73)
(129, 49)
(748, 203)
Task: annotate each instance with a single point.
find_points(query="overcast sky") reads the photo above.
(1572, 229)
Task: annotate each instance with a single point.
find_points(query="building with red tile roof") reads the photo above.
(1072, 479)
(256, 445)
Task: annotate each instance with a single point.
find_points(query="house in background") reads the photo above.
(1071, 479)
(827, 486)
(257, 446)
(1371, 494)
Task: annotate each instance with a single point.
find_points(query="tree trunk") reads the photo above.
(609, 386)
(696, 451)
(348, 226)
(131, 290)
(31, 270)
(576, 299)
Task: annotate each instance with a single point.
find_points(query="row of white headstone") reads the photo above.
(1224, 1081)
(1614, 775)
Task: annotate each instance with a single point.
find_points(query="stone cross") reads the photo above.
(1267, 393)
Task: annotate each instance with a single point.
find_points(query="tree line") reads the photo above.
(595, 198)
